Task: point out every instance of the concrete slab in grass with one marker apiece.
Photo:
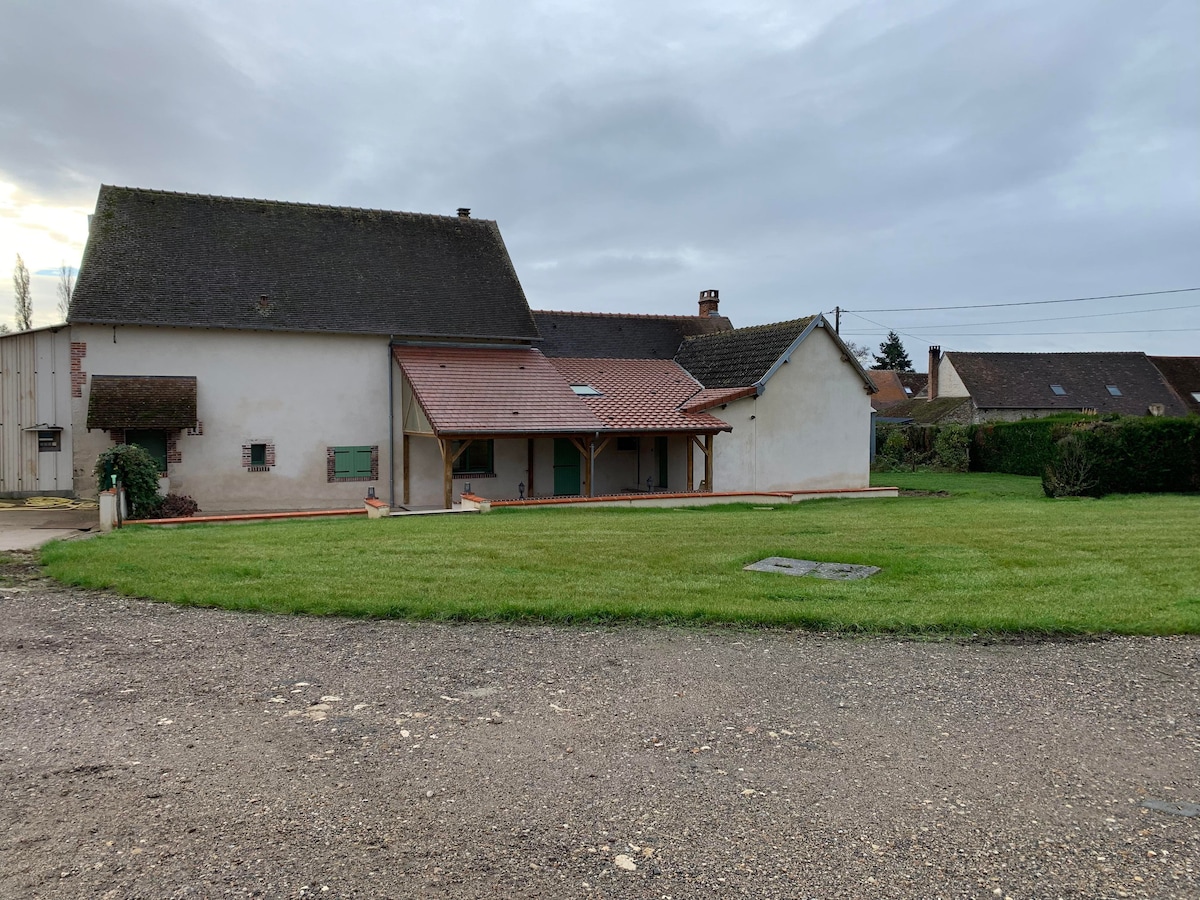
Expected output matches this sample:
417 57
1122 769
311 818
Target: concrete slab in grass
801 567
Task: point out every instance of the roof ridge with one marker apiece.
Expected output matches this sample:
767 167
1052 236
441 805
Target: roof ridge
618 315
290 203
1049 352
745 328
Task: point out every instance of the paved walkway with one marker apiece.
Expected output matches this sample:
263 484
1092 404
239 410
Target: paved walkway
26 525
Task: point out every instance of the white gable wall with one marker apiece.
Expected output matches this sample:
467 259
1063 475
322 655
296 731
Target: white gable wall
809 429
950 384
300 393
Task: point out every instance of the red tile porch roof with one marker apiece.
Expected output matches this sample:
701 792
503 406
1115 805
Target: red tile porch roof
713 397
639 394
493 391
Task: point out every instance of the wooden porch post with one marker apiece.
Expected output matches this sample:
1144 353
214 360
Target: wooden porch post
406 478
529 466
708 462
691 463
447 474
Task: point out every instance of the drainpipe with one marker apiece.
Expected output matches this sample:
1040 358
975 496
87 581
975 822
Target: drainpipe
391 426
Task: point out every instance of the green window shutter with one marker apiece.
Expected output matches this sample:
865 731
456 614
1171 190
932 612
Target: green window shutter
361 462
352 462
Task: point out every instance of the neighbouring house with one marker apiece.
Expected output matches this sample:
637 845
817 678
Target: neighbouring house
1182 373
279 355
890 388
990 387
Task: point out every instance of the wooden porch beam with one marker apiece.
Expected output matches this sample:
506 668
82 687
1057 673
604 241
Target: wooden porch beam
447 473
691 463
708 462
406 478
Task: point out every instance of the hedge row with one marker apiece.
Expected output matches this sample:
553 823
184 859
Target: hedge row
1126 456
1072 454
1017 448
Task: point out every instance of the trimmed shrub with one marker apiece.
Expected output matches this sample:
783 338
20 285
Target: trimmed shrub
137 472
951 448
173 506
1072 471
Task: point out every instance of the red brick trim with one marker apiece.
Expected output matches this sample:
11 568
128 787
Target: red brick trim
78 376
268 456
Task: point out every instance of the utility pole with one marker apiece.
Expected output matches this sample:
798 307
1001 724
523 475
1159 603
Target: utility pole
837 320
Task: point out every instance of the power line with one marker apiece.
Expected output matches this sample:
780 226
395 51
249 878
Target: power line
1131 312
1029 303
1033 333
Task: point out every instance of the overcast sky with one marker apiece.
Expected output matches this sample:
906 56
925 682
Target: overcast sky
795 156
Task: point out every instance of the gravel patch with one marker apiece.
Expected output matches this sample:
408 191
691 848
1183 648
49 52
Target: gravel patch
152 751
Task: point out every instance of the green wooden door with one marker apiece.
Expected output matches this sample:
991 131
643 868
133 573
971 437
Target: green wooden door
566 468
153 442
660 450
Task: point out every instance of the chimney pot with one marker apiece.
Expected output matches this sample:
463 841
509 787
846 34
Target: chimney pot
708 302
464 212
935 357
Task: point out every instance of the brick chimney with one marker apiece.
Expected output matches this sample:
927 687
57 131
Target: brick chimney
464 212
708 303
935 357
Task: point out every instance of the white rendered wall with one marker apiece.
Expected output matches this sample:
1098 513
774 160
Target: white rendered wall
809 430
949 382
302 393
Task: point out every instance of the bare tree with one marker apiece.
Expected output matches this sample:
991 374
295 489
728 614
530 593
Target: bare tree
861 352
24 298
66 287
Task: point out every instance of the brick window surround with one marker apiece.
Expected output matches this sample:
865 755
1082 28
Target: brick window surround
267 451
342 460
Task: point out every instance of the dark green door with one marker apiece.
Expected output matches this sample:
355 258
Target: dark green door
153 442
660 450
566 468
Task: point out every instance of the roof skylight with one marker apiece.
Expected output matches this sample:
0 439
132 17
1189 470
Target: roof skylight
1114 390
585 390
1059 390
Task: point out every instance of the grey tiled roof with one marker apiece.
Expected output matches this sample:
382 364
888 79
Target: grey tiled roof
142 401
741 357
1183 374
1023 380
162 258
619 335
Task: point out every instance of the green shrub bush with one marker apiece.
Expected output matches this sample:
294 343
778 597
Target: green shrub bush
137 471
951 448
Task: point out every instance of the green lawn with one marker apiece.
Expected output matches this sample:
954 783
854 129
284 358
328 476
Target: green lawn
995 556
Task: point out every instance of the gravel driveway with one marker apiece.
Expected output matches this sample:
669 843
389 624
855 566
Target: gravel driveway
150 751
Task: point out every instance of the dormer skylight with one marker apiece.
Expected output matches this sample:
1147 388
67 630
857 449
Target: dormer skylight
1059 390
585 390
1114 390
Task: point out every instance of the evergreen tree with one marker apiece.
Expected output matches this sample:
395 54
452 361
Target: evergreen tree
21 292
892 355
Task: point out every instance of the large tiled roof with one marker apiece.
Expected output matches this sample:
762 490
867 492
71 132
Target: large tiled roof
166 402
1183 374
493 391
163 258
1023 380
741 357
620 335
888 386
914 381
639 394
